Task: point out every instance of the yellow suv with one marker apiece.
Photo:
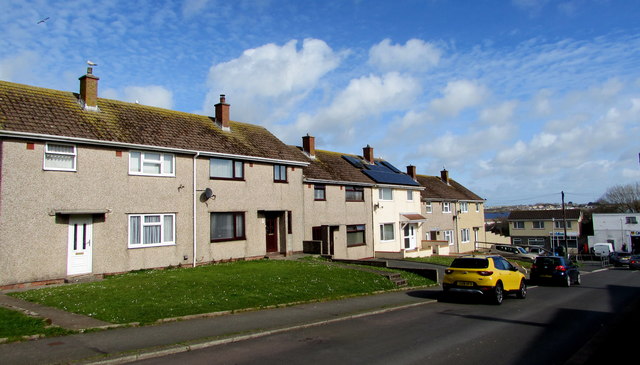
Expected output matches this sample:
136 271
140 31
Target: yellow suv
489 276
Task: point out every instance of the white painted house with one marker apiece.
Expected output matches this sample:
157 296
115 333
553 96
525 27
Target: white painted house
620 229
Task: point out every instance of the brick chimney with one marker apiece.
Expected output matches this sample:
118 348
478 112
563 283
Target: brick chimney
309 145
411 171
222 114
89 90
444 175
367 153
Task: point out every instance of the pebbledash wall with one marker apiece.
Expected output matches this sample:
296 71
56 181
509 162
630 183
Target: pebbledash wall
37 205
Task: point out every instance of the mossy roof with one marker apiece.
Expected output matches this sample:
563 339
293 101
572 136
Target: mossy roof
38 110
437 189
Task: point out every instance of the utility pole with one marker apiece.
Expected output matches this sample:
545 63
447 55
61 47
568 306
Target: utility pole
564 224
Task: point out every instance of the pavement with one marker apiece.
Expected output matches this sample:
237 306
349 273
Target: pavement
122 344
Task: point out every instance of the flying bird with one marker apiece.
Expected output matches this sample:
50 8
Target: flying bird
43 20
91 63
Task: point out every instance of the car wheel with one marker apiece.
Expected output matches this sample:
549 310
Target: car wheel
567 282
522 292
578 279
498 294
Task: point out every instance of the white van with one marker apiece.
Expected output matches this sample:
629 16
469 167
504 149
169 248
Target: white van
602 249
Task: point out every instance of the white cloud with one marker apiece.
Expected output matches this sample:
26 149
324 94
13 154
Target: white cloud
269 76
459 95
501 114
18 67
152 95
415 55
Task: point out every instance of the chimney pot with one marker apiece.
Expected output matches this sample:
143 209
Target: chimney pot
222 113
367 153
309 145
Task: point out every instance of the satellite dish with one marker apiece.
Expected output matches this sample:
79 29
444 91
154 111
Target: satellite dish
208 193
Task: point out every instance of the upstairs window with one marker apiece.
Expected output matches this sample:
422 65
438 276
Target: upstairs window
518 225
319 192
446 207
280 173
560 224
60 157
464 207
385 194
631 220
538 224
354 193
410 195
151 163
428 207
222 168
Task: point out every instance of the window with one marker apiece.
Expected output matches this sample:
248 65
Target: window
354 193
448 236
538 224
148 230
516 241
227 226
631 220
289 222
446 207
464 235
151 163
464 207
410 195
536 241
518 225
220 168
60 157
355 235
428 207
279 173
387 232
560 224
319 192
385 194
477 207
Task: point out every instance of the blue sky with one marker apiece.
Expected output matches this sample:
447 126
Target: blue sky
519 99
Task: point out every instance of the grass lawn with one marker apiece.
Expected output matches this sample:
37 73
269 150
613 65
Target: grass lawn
436 260
148 295
14 325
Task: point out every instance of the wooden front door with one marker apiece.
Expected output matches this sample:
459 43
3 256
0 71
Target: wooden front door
272 232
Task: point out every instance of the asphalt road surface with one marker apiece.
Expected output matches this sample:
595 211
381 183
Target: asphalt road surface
553 325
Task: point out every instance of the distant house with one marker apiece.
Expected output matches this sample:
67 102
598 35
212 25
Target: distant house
546 228
454 214
92 186
620 229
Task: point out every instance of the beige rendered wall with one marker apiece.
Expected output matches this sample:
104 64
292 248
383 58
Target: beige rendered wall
389 211
33 244
336 211
549 226
436 220
471 219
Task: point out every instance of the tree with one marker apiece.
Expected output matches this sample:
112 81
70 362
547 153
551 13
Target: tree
623 198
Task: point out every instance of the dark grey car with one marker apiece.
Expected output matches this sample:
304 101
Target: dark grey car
555 269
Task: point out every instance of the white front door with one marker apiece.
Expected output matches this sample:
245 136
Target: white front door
410 236
79 260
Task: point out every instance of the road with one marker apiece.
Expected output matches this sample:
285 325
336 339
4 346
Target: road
553 325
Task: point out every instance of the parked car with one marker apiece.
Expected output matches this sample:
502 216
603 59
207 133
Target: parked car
489 276
537 250
634 262
555 269
619 258
513 252
602 249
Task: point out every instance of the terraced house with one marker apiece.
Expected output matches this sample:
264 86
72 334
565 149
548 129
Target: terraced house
455 215
91 186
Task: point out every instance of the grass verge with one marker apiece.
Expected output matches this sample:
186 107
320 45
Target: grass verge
14 326
148 295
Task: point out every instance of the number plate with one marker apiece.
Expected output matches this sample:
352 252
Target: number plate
465 283
545 276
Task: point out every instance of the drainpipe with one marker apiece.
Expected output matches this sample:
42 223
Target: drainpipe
195 197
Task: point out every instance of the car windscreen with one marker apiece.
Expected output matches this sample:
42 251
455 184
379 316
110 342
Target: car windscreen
471 263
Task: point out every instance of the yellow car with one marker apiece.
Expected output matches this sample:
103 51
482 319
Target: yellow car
489 276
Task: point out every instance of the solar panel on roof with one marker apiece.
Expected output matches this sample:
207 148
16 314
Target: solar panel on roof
390 178
353 161
390 166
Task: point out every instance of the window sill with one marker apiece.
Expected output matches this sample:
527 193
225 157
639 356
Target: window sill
357 245
228 239
151 245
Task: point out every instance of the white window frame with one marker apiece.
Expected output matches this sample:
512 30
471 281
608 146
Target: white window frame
409 195
164 240
166 162
537 224
518 225
464 207
382 194
73 154
446 207
465 235
382 232
448 236
428 207
477 207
